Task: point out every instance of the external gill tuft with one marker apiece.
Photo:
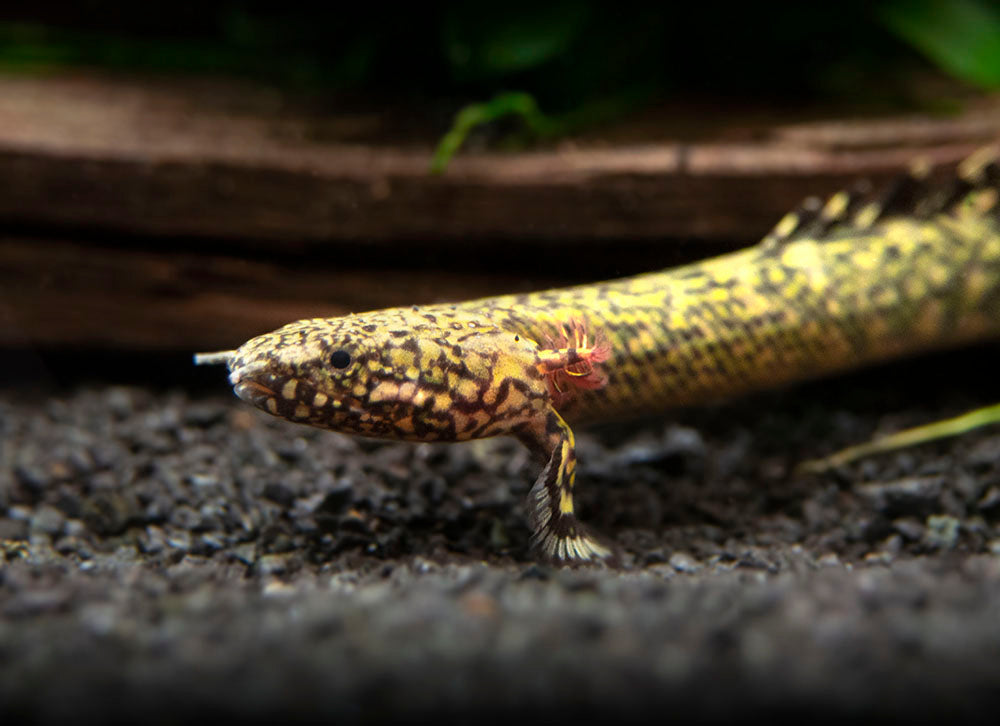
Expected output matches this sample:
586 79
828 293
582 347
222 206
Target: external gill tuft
573 358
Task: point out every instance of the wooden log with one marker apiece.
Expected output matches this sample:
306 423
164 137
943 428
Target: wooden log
158 159
147 215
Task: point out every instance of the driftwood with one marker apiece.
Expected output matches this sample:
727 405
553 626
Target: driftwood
151 159
156 215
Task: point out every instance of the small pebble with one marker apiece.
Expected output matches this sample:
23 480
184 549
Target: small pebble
48 520
683 562
942 531
272 564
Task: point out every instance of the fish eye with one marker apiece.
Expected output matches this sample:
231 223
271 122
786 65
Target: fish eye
340 359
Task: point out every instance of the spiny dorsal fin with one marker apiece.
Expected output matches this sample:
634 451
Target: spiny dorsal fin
981 172
814 219
975 187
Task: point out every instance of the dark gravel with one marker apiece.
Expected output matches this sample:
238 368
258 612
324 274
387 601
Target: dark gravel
169 555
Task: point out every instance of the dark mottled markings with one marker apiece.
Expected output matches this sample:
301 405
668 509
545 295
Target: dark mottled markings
462 406
441 361
503 391
626 330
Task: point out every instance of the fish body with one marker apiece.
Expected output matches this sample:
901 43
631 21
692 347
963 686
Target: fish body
834 286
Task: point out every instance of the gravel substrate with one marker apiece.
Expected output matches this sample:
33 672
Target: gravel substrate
169 554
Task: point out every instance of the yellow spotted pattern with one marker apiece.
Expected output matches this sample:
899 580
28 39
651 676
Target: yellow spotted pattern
833 287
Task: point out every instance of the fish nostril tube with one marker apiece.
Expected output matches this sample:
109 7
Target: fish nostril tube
213 359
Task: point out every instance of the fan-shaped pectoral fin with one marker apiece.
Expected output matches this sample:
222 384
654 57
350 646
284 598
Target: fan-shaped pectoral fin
557 533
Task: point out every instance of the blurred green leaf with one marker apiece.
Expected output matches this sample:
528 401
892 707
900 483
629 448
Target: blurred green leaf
477 114
961 36
538 124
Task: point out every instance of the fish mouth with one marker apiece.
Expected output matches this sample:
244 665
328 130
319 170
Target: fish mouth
260 388
253 392
265 397
248 388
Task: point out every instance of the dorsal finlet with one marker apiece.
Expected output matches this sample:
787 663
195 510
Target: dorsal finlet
977 167
814 218
976 184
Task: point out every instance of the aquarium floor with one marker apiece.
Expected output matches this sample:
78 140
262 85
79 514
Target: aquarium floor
172 554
